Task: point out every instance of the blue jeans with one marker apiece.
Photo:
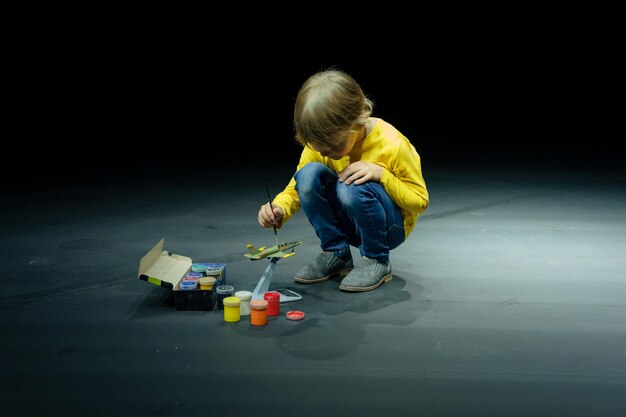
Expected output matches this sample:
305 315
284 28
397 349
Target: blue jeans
363 215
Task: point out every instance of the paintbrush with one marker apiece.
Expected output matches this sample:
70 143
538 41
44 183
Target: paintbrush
269 198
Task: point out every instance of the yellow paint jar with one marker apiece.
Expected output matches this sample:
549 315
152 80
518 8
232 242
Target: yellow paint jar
206 283
231 309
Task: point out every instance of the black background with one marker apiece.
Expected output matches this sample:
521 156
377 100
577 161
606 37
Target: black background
119 113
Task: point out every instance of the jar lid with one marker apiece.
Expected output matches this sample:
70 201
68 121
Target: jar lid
295 315
271 296
225 289
244 295
232 301
188 285
207 280
214 269
188 278
198 267
258 304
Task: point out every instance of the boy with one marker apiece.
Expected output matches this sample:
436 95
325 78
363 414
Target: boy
359 182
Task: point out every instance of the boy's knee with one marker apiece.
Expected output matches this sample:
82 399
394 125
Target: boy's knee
352 195
311 169
348 195
308 175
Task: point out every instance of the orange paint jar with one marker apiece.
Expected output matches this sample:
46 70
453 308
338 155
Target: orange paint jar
258 312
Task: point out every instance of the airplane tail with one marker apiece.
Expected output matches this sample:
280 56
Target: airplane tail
252 249
254 252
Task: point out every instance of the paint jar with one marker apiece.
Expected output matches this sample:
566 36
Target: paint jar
213 270
223 291
231 309
245 297
206 283
190 279
199 268
188 285
193 275
273 303
258 312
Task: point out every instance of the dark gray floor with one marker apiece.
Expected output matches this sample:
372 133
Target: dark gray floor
509 299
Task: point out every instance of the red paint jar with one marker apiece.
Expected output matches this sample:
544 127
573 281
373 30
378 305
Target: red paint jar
273 303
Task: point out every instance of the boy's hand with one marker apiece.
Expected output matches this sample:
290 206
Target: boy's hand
360 172
269 219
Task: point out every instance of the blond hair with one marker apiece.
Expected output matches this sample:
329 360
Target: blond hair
329 105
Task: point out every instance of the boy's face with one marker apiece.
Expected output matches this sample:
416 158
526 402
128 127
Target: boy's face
340 146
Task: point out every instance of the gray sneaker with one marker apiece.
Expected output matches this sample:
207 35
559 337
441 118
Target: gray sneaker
322 268
372 274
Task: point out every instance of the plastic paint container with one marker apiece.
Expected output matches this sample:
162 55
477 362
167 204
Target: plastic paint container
206 283
245 297
194 280
193 275
223 291
213 270
188 285
231 309
199 268
273 303
258 312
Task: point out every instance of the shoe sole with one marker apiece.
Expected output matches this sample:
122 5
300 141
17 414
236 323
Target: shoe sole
384 279
326 278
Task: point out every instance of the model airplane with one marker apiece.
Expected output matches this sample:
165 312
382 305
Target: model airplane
275 251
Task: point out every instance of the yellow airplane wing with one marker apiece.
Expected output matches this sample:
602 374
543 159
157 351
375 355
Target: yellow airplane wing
278 254
282 254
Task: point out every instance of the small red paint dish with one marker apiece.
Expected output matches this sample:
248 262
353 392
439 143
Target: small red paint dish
295 315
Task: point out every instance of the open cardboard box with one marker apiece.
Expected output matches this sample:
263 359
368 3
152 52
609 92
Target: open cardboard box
165 269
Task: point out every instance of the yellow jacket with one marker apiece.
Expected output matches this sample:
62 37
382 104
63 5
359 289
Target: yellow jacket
384 146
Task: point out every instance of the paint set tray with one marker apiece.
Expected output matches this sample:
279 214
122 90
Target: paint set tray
165 269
